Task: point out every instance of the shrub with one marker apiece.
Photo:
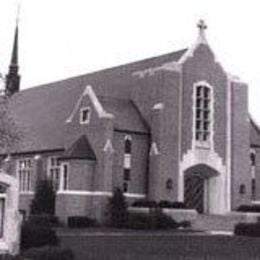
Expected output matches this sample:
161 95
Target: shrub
249 208
80 222
44 198
145 203
185 224
43 220
247 229
35 236
139 221
117 209
49 253
157 220
171 205
163 221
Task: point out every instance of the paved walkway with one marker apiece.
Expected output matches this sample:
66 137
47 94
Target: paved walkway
168 245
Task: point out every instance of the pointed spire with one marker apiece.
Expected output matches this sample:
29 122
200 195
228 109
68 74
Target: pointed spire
13 78
14 59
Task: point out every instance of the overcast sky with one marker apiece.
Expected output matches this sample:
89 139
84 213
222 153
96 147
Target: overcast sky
63 38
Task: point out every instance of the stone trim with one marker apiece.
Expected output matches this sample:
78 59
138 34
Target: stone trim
210 143
98 193
94 100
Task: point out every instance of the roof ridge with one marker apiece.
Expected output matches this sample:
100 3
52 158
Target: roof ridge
47 84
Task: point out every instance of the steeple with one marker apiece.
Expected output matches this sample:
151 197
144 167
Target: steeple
13 78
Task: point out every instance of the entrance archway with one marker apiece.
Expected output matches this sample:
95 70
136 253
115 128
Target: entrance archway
197 188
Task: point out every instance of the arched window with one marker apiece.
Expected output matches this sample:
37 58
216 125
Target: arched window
252 158
127 163
128 145
203 113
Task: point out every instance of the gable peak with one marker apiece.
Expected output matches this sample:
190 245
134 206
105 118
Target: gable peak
201 39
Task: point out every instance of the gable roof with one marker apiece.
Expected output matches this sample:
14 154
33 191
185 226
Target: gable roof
40 113
81 149
127 115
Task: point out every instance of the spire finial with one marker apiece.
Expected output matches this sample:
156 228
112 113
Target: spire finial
18 13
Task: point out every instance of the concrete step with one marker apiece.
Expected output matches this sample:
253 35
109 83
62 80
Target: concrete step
215 222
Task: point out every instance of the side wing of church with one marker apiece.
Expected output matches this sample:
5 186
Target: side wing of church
175 127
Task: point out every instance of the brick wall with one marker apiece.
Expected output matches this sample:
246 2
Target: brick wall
257 173
240 146
202 67
139 161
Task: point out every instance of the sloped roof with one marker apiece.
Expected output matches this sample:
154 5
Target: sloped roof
81 149
126 114
254 134
41 112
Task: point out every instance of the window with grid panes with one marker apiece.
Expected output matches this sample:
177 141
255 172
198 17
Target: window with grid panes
54 171
203 113
24 173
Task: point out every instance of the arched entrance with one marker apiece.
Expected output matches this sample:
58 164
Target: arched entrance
197 188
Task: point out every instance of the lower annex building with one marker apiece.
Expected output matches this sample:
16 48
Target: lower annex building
174 127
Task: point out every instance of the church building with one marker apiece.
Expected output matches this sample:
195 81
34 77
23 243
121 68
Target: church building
174 127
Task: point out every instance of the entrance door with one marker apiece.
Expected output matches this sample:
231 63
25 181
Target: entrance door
194 192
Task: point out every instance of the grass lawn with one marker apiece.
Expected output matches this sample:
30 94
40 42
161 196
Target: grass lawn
159 246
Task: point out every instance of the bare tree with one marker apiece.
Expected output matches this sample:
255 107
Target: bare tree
10 135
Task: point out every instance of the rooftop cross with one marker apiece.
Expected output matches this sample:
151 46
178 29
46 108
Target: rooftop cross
201 25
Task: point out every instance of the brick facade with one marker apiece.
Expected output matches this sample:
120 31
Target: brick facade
153 103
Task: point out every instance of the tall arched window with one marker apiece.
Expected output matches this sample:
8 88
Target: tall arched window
203 112
127 162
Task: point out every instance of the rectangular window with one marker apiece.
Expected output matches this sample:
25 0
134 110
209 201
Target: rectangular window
253 187
127 161
125 187
202 113
24 172
65 176
2 214
54 171
127 174
84 115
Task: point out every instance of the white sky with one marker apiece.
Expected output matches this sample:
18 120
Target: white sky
63 38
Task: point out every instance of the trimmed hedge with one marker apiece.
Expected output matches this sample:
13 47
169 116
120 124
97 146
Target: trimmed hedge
44 220
247 229
162 204
171 205
249 208
80 222
35 236
49 253
150 221
145 203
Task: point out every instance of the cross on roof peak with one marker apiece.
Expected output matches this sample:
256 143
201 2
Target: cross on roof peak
202 25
